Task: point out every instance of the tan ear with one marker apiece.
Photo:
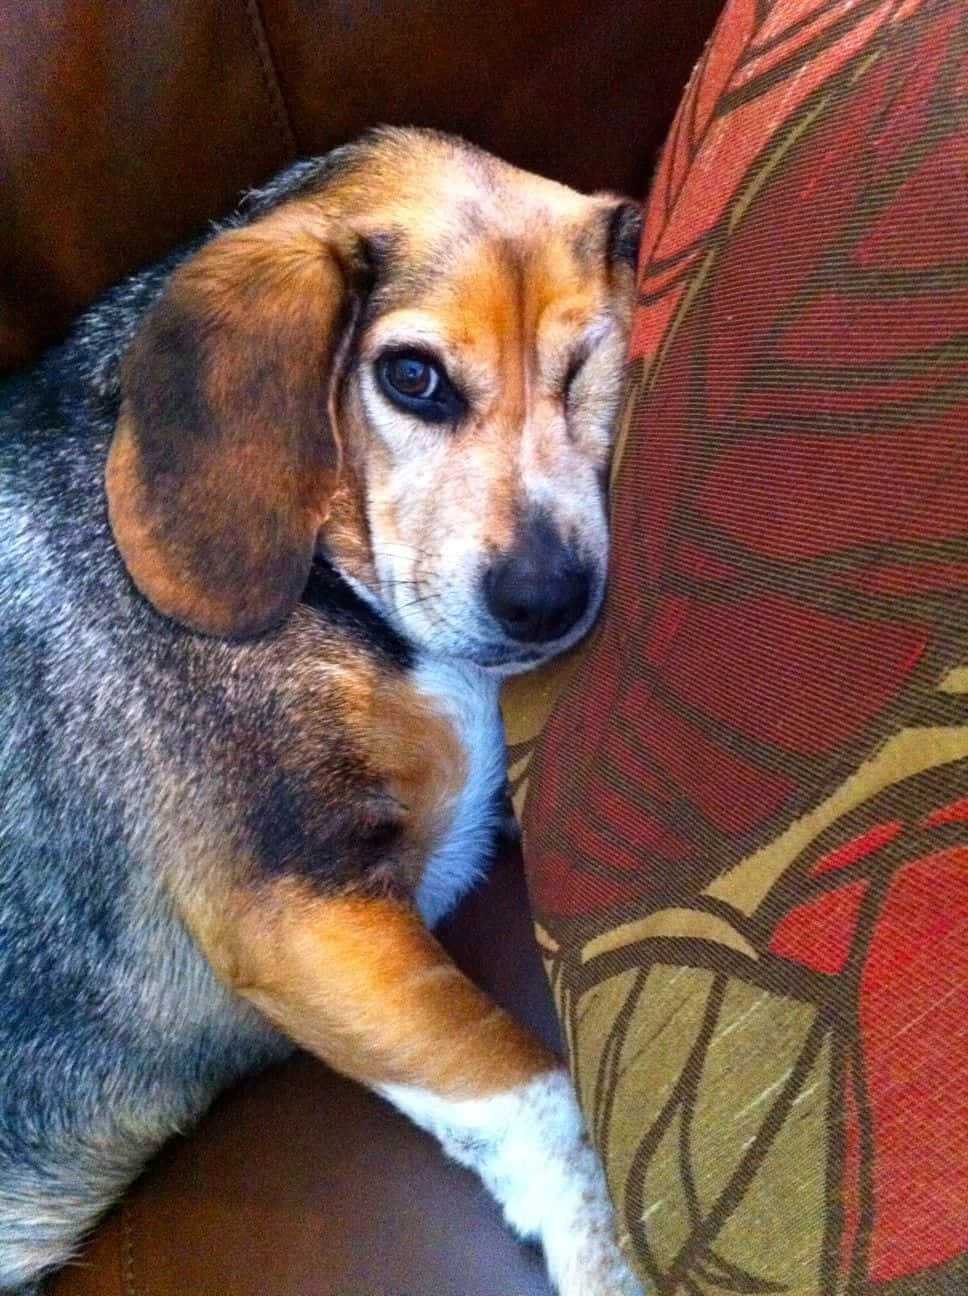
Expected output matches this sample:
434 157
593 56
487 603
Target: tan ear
224 456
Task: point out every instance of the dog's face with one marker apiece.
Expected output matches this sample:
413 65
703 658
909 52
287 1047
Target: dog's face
410 359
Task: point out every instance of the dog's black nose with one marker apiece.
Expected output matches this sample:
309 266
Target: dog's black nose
539 590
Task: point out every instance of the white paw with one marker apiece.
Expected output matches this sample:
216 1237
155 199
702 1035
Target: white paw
578 1233
530 1148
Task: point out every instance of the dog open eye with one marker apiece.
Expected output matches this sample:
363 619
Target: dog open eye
414 382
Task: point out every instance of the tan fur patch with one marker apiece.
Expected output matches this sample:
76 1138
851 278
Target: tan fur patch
363 985
417 753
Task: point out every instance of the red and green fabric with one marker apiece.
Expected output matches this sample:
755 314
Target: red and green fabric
747 819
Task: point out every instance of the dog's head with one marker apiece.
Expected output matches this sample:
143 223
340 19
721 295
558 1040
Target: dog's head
407 356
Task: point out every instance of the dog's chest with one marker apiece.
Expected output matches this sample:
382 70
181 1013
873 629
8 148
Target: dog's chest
468 698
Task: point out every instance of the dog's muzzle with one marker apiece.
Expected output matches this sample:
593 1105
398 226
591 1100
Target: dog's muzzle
539 590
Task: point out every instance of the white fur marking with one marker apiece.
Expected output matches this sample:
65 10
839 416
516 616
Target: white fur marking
529 1147
468 697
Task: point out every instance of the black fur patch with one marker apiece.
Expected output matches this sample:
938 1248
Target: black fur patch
327 593
302 178
336 841
624 234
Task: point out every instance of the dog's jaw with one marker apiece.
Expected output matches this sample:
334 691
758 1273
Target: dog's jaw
379 572
496 656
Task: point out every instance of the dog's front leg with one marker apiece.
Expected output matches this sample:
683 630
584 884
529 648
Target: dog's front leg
362 983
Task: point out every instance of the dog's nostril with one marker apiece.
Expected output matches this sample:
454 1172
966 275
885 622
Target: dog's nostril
536 604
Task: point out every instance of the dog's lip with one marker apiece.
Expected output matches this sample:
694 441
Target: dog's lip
513 656
509 658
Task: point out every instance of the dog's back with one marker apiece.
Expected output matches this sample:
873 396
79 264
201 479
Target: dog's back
113 1030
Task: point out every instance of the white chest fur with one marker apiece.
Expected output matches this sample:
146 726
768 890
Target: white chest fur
468 697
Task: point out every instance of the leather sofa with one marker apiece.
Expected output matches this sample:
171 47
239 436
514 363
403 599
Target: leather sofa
125 125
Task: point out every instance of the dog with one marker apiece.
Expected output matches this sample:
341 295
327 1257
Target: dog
277 518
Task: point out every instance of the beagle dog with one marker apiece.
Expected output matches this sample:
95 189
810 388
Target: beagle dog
276 519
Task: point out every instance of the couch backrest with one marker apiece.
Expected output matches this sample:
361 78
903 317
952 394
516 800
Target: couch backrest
125 125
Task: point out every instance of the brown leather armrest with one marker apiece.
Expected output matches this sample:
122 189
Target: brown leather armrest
126 125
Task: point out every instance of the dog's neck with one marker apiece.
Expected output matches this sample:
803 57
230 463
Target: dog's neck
344 540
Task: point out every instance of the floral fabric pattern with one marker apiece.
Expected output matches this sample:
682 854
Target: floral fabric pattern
747 820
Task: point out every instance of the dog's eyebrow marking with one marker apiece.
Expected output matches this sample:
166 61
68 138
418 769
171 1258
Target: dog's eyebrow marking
413 330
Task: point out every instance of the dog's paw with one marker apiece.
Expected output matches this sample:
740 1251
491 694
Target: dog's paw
552 1188
530 1148
578 1234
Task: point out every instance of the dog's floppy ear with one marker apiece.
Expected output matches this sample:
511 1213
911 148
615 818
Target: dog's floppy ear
224 457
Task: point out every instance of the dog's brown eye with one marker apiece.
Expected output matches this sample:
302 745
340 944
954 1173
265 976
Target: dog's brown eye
416 383
411 375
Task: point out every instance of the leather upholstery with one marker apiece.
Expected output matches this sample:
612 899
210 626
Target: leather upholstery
125 125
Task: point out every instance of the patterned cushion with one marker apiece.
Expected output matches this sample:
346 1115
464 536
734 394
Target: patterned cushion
747 822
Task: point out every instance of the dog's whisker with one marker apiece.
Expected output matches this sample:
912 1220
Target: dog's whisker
390 549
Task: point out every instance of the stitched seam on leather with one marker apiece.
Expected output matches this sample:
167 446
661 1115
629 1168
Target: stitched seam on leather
278 110
129 1286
